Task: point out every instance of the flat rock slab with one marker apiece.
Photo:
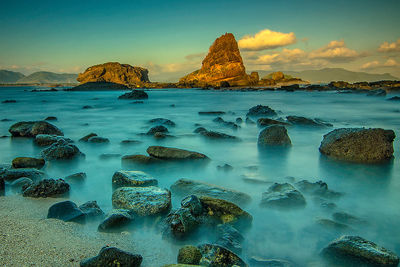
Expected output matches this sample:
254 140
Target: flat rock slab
169 153
186 187
133 179
144 201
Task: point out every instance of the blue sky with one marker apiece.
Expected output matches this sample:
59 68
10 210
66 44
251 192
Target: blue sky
69 36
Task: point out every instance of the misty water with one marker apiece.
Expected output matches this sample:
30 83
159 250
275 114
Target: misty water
371 192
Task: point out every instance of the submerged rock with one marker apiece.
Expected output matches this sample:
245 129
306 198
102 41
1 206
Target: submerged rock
13 174
132 179
169 153
144 201
140 159
357 251
47 140
213 134
212 112
261 110
66 211
134 94
27 162
98 139
76 177
282 195
180 223
332 225
189 255
33 128
87 137
20 183
262 262
115 220
157 129
359 144
297 120
91 210
377 92
214 255
47 188
229 237
191 187
318 188
61 150
267 122
275 135
112 256
347 218
162 121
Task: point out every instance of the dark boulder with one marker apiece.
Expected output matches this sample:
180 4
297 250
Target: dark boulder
76 177
214 135
214 255
13 174
169 153
189 255
162 121
359 144
133 179
282 195
303 121
33 128
66 211
47 188
91 210
47 140
2 187
134 94
261 110
157 129
27 162
87 137
115 220
140 159
275 135
112 256
267 122
98 140
61 150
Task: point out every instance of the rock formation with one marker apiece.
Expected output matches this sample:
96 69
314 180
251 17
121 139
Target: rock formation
223 66
115 72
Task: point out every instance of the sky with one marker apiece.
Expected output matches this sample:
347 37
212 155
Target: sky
171 38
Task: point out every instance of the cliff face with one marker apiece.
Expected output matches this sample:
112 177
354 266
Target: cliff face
222 64
116 73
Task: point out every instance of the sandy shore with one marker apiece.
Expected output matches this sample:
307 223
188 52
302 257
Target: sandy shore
29 239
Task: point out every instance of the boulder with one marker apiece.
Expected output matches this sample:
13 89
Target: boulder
180 223
332 225
112 256
169 153
212 112
47 140
27 162
61 150
357 251
13 174
51 118
134 94
157 129
47 188
33 128
87 137
261 110
318 188
132 179
267 122
140 159
143 201
229 237
359 144
189 255
274 135
66 211
76 177
347 218
91 210
20 183
115 220
214 255
98 140
186 187
303 121
282 195
162 121
223 63
213 134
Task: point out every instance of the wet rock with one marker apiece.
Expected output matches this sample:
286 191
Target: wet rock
261 110
130 142
2 187
213 134
239 120
13 174
347 218
61 150
225 167
162 121
47 140
33 128
359 145
189 255
132 179
318 188
249 121
275 135
225 211
191 187
8 101
112 256
27 162
76 177
261 262
180 223
267 122
212 112
66 211
157 129
214 255
91 210
192 203
169 153
5 120
134 94
51 118
226 123
332 225
282 195
140 159
144 201
357 251
20 183
115 220
377 92
303 121
98 139
229 237
87 137
394 98
47 188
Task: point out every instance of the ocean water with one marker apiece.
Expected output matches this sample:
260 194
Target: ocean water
370 191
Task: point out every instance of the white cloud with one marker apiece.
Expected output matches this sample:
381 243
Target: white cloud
266 39
390 47
336 51
379 65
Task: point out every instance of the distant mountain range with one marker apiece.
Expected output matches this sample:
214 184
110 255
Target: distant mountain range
37 77
334 74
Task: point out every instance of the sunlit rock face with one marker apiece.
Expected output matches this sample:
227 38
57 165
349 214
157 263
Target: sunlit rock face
222 65
116 73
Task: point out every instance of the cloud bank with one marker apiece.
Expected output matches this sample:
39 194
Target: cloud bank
266 39
390 47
